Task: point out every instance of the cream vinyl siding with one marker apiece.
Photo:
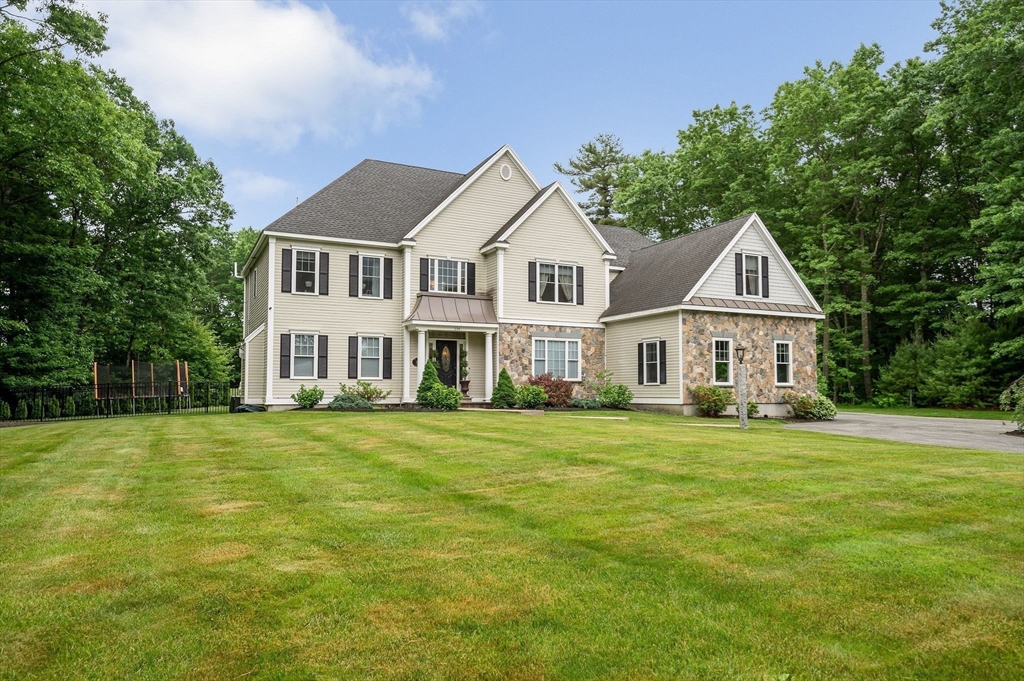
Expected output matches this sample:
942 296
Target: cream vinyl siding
256 369
477 365
337 316
621 339
467 223
722 282
553 232
255 312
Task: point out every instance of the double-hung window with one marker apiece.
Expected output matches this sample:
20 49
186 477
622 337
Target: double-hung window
556 283
448 276
752 274
723 361
652 368
303 355
369 357
783 363
560 358
371 268
305 272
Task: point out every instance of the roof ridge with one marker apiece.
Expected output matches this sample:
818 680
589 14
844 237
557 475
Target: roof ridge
409 165
703 230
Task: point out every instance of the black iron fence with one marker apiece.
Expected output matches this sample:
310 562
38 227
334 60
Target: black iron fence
60 403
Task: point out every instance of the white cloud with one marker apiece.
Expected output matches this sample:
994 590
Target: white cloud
256 186
437 21
264 72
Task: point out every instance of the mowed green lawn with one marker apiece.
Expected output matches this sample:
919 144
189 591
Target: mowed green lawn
487 545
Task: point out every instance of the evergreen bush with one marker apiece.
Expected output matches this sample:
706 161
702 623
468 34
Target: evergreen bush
5 411
428 381
504 395
53 408
1012 400
21 411
615 396
585 403
441 396
364 390
823 409
802 405
349 402
307 398
711 400
753 409
69 406
530 396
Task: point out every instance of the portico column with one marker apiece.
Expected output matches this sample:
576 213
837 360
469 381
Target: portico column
406 366
489 365
421 354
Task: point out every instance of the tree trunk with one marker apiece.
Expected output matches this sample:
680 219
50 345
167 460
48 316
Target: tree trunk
825 340
865 338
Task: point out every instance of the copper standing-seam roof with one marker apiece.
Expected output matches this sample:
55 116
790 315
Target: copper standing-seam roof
752 305
453 308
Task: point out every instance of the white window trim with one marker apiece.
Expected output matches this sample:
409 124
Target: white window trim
757 257
579 356
295 270
557 264
316 348
775 361
657 352
463 275
380 359
713 374
373 256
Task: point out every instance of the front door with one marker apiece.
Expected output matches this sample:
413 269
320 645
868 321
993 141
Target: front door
447 362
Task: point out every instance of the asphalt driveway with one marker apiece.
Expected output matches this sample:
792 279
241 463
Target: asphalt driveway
925 430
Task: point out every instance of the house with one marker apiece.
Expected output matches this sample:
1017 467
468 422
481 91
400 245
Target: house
390 265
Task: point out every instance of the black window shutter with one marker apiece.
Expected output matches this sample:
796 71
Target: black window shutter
386 369
532 277
389 276
579 285
739 274
471 278
424 274
325 267
286 270
321 360
640 363
764 276
286 355
662 369
353 356
353 276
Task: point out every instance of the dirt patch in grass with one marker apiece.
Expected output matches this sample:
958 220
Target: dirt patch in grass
211 510
225 553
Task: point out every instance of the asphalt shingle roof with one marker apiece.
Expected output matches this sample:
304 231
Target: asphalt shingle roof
623 241
374 201
661 275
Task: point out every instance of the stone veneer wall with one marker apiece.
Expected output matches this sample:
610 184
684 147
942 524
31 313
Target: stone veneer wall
758 333
515 349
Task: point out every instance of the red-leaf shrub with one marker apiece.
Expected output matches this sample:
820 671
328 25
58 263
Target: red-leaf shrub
559 390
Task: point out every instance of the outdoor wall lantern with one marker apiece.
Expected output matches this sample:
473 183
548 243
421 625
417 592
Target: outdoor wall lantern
740 351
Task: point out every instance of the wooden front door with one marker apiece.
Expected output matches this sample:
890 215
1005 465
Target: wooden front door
448 362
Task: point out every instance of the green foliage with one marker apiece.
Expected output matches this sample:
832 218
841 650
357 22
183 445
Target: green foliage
594 171
5 411
504 395
349 401
69 406
615 396
711 400
1012 399
530 397
364 390
753 409
307 398
53 408
809 407
823 409
585 403
441 396
21 411
558 390
903 375
463 364
427 383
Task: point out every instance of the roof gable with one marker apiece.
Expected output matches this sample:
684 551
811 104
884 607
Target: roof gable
538 199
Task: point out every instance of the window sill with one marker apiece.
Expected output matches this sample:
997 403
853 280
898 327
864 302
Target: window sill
723 385
783 385
371 297
555 302
305 293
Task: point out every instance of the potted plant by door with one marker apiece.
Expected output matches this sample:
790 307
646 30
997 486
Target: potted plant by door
463 371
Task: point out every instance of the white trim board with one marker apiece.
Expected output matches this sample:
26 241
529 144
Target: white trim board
555 187
708 308
258 331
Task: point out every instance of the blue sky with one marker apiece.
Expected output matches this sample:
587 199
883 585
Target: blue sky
284 97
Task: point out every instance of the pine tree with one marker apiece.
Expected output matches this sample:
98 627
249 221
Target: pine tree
504 395
595 170
21 411
429 380
69 406
5 411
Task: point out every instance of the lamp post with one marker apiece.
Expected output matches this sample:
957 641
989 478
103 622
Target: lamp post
741 386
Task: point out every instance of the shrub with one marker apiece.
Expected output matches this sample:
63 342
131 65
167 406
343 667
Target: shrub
307 398
753 409
441 396
364 390
615 396
1012 399
21 411
585 403
37 408
801 404
504 395
592 386
823 409
428 381
5 411
559 390
69 406
53 408
349 402
530 396
711 400
888 402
